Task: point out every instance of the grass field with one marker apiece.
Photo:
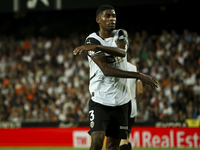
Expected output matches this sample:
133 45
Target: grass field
66 148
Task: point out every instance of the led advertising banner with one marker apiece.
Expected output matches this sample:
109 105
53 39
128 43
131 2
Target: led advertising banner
78 137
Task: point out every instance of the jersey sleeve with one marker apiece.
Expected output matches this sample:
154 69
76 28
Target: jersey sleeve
93 41
122 36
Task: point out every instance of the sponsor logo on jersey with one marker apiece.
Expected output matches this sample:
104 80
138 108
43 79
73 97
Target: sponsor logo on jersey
118 58
91 52
123 127
89 42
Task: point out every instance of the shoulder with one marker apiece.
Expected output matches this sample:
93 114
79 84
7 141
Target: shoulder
92 35
122 36
122 32
92 39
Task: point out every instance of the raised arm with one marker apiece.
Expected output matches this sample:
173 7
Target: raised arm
108 70
97 53
92 44
110 50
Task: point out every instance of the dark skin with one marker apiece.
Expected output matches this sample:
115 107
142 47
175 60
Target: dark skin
107 22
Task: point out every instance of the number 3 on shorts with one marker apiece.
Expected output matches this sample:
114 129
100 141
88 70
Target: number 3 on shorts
91 112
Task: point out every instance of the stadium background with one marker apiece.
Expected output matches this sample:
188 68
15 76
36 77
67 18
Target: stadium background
38 35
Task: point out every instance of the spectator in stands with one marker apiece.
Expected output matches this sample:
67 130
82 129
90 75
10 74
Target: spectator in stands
196 89
198 117
167 113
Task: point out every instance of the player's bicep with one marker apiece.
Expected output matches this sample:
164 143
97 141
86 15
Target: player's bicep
101 61
97 56
93 41
122 46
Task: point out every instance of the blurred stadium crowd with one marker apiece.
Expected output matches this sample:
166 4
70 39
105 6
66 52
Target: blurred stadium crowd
41 80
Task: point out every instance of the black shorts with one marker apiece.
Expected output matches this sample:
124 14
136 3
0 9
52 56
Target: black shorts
112 120
130 124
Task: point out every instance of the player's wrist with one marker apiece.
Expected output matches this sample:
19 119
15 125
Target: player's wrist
140 75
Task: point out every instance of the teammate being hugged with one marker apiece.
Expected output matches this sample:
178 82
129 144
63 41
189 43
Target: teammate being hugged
110 104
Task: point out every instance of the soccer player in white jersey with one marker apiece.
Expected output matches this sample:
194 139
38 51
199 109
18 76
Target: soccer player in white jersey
110 103
136 90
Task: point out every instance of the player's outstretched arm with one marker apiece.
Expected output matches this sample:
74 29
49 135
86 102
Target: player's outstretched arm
92 44
110 50
112 71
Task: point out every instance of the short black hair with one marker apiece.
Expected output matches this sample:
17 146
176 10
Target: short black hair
102 8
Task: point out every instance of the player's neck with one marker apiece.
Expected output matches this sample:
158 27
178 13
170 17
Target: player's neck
105 34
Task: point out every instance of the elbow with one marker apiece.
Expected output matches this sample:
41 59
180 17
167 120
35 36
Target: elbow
105 68
124 53
121 54
106 72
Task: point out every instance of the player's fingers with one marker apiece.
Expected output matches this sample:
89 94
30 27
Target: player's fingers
75 51
80 51
156 81
152 83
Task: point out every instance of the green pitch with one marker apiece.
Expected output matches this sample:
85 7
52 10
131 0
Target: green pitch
66 148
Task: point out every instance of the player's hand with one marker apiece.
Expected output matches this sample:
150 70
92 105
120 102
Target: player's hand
149 80
82 48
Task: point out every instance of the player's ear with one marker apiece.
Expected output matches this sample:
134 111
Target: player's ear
98 19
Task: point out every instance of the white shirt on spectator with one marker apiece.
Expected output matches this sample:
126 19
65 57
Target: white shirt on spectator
168 111
47 45
62 116
27 58
60 58
196 88
47 57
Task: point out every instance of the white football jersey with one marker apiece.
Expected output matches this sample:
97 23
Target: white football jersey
132 86
106 90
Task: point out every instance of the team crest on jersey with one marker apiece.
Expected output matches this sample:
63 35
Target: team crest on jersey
91 52
92 124
88 42
118 58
